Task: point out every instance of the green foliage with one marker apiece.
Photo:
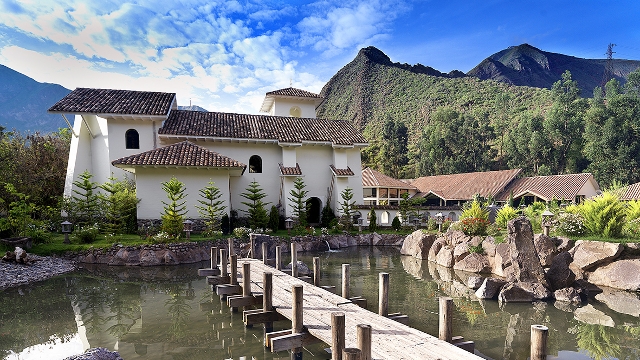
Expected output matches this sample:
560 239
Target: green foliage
211 207
393 148
534 213
298 201
85 234
258 217
85 204
474 226
631 229
224 224
373 221
475 210
175 209
407 207
327 216
477 249
603 215
119 206
632 210
505 214
569 224
274 219
19 214
347 208
395 224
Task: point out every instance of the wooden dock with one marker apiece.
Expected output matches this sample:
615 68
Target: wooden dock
390 339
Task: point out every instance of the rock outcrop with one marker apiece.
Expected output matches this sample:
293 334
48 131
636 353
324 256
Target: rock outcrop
475 263
418 244
590 254
622 274
559 274
525 263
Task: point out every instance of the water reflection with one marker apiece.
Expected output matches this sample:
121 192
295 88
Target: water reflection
171 313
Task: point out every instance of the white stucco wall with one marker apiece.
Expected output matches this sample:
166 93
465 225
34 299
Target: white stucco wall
79 155
149 188
282 107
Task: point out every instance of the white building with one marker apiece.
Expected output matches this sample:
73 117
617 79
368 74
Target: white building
144 135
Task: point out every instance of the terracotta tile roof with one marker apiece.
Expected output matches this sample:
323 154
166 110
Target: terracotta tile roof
373 178
464 186
342 172
291 170
181 154
260 127
106 101
547 187
290 91
631 192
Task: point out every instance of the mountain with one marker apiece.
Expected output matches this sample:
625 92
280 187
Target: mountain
525 65
192 108
24 103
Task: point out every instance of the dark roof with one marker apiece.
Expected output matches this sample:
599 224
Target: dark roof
465 186
260 127
372 178
547 187
106 101
341 172
181 154
290 91
290 170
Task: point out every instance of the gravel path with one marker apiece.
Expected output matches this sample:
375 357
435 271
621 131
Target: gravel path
39 268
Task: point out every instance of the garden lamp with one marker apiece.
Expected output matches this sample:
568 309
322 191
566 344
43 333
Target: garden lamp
439 221
67 228
547 216
360 223
187 227
288 224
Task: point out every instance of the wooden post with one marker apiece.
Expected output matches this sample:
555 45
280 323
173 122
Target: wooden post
383 294
252 245
539 335
246 279
345 281
316 271
446 319
223 262
278 257
296 318
265 253
351 354
363 335
214 257
232 249
267 298
233 270
337 335
294 260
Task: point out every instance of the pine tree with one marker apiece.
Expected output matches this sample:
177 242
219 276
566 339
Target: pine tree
274 219
86 203
175 209
211 207
346 207
258 217
298 201
373 221
119 206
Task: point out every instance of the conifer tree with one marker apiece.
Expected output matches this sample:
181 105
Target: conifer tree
258 217
211 207
175 209
373 221
86 203
346 207
119 206
298 201
274 219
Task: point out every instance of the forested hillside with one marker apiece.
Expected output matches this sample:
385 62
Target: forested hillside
424 122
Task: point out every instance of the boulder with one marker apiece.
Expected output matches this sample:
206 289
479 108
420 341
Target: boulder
460 251
590 254
563 243
621 274
417 244
489 246
568 295
502 259
514 293
546 248
475 263
474 282
303 269
435 248
169 257
149 258
590 315
537 290
489 288
559 274
621 301
455 237
631 249
525 264
445 256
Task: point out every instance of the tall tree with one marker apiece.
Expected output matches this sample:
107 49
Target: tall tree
298 201
527 146
211 207
393 151
175 210
258 217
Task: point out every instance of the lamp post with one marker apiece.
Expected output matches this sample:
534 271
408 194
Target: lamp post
547 217
439 220
187 224
67 228
416 222
493 209
288 224
360 223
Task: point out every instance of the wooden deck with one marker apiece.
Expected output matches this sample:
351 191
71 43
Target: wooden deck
390 339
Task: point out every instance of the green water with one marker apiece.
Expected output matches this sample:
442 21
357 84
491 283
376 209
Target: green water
171 313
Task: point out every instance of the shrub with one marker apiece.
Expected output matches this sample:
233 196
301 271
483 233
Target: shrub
474 226
373 221
631 229
395 223
161 238
569 224
432 224
475 211
241 232
633 210
505 214
478 249
534 213
603 215
38 234
446 224
274 218
86 234
327 216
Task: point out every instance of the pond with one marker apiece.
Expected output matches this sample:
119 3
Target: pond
171 313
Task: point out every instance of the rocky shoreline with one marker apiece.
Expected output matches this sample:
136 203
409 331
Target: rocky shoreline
38 268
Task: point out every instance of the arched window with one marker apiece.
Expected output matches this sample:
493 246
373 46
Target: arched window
132 139
255 164
384 217
295 112
452 216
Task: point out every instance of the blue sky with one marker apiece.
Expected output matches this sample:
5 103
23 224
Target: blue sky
224 55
